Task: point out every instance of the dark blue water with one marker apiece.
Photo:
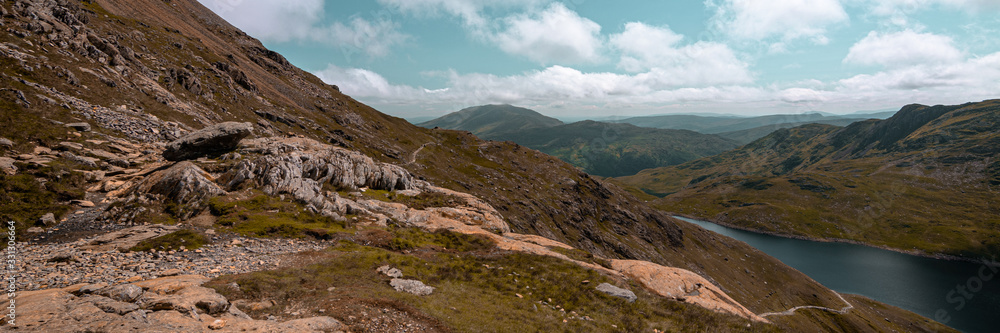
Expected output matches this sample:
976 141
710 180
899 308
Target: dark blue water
962 295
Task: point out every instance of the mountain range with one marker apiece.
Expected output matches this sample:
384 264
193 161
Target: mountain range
599 148
924 180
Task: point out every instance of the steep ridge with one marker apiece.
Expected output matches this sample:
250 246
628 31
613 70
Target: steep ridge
138 74
921 181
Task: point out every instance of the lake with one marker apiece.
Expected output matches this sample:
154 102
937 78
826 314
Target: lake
962 295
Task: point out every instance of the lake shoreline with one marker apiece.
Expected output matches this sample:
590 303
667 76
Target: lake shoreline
917 253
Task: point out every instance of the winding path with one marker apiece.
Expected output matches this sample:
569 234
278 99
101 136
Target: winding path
413 156
791 311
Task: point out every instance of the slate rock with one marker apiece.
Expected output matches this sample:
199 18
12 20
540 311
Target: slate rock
218 138
617 292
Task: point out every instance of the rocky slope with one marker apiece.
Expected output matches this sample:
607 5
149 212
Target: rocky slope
96 92
921 181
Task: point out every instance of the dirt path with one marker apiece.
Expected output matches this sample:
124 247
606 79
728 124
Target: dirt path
791 311
413 157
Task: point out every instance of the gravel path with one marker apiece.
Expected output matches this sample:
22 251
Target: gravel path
52 265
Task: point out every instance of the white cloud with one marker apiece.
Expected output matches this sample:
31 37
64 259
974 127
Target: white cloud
905 7
555 34
657 50
972 76
902 49
302 20
470 11
784 20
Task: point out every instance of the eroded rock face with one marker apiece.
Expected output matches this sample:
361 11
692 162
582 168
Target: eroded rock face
184 183
170 304
218 138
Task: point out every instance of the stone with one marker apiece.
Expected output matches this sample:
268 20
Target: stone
111 306
7 165
82 127
35 230
218 324
411 286
6 143
48 219
617 292
390 271
91 288
127 238
124 292
39 150
87 161
218 138
70 146
171 272
83 203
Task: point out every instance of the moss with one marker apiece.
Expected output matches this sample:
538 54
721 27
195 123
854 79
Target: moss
173 241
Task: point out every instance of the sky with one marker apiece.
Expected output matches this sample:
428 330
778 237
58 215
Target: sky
599 58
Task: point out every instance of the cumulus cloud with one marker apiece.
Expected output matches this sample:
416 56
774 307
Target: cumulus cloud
903 48
658 51
555 34
302 20
470 11
781 20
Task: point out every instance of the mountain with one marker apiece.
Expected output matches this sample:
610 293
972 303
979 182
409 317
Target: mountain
749 135
611 150
921 181
489 120
729 124
599 148
195 180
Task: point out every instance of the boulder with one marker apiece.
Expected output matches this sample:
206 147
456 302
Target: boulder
617 292
411 286
390 271
48 219
214 139
184 183
124 292
82 127
7 165
6 143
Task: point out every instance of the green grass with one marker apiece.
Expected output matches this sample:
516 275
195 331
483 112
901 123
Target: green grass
476 290
187 239
24 200
267 216
420 201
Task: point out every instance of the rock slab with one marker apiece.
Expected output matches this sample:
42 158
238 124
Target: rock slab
218 138
617 292
411 286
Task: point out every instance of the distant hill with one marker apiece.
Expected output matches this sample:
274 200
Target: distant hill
612 150
749 135
727 124
926 179
488 120
599 148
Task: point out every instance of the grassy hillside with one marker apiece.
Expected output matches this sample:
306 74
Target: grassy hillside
599 148
612 150
924 180
730 124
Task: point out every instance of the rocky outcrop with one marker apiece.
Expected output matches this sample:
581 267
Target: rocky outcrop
302 167
183 183
127 238
218 138
170 304
7 165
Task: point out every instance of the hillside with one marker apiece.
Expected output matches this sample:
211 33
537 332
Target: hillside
599 148
487 121
923 180
166 171
611 150
749 135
